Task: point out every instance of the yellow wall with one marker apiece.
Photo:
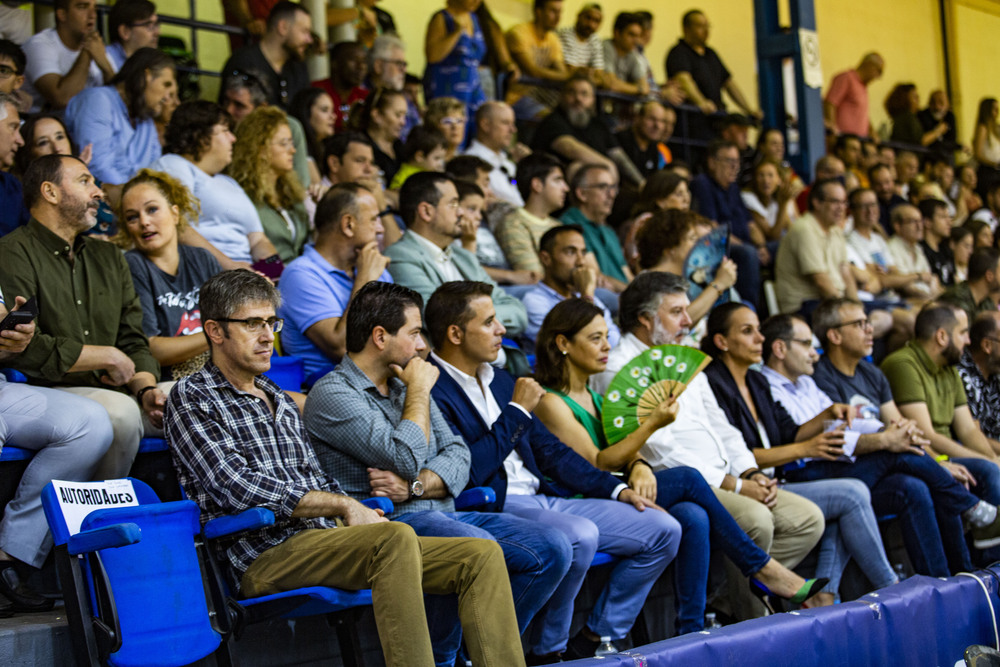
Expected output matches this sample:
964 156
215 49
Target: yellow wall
975 51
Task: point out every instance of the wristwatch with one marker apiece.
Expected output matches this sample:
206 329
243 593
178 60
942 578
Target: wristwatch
416 488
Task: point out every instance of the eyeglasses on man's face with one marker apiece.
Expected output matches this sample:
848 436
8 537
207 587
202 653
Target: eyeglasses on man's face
257 325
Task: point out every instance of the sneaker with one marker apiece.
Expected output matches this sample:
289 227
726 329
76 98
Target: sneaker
22 597
987 536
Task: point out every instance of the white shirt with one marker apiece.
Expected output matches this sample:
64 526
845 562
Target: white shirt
48 55
520 480
442 259
700 437
910 259
502 177
873 250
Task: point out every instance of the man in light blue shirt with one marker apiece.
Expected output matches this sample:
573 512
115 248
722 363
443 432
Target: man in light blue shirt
569 273
317 288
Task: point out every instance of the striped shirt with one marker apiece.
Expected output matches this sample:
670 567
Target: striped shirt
588 53
231 455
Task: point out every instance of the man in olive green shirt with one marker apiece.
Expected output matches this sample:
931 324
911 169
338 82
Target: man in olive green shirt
89 338
927 388
979 293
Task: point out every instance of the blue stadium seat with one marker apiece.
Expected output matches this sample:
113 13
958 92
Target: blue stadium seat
132 576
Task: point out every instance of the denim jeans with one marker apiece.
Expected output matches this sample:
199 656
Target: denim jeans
644 543
687 496
537 558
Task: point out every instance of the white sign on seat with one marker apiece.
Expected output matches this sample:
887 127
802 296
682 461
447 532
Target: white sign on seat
78 499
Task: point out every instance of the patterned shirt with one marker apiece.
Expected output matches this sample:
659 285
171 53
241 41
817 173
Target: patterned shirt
355 427
231 454
983 395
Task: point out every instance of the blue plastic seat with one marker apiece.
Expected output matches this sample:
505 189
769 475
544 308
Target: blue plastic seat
133 580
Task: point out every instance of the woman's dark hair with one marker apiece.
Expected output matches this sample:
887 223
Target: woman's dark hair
662 232
898 101
975 227
985 113
132 76
718 323
660 185
378 99
959 233
23 157
190 128
301 107
567 318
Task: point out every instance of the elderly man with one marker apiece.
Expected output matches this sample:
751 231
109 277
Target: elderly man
92 345
907 254
375 429
845 108
574 133
867 241
13 213
425 258
238 442
132 24
64 60
516 455
387 69
980 372
939 111
495 131
594 189
280 54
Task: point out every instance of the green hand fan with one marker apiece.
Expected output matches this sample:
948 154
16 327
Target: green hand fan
645 382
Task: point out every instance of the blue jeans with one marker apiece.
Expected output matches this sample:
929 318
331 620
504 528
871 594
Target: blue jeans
644 543
687 496
69 435
537 558
987 475
851 531
921 524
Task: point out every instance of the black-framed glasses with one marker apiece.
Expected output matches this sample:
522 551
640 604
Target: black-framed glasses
149 24
863 323
801 341
257 325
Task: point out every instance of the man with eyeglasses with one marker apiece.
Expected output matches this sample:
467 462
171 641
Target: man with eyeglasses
238 442
907 254
867 241
90 340
425 257
280 54
64 60
12 63
980 372
880 447
387 69
132 24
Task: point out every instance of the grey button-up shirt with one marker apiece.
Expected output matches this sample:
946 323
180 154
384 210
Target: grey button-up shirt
353 427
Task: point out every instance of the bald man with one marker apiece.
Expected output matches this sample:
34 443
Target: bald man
845 108
495 130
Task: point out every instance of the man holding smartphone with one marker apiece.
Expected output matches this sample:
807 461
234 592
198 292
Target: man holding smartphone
69 437
89 340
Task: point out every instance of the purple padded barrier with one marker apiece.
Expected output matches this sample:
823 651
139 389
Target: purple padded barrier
921 621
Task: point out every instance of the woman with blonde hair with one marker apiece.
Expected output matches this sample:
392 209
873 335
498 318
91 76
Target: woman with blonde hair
448 115
263 166
155 209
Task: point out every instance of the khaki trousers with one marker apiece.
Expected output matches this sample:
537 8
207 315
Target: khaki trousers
400 567
787 532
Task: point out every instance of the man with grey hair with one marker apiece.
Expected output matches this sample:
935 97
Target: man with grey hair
387 69
13 214
980 372
238 442
653 311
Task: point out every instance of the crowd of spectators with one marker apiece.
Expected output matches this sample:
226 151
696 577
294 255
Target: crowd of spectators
395 234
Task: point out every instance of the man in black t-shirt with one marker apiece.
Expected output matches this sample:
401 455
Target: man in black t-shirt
280 55
937 232
645 142
575 133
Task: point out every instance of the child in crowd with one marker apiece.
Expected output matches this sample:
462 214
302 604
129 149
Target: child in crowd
424 150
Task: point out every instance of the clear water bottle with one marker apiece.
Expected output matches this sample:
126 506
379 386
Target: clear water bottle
711 622
900 572
606 647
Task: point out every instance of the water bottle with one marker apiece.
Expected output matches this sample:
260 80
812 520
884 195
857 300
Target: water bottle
711 622
606 647
900 572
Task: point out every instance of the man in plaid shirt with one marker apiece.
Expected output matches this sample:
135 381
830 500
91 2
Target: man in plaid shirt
238 442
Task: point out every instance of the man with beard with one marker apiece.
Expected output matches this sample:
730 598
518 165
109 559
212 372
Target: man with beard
425 257
980 372
880 178
581 46
939 111
574 133
980 292
280 54
928 390
348 69
89 340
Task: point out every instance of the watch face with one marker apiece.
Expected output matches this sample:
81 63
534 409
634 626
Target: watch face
417 488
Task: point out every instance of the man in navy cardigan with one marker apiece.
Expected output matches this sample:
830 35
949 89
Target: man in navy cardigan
532 472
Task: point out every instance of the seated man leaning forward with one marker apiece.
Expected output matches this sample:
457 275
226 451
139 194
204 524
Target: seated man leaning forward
532 472
375 429
238 442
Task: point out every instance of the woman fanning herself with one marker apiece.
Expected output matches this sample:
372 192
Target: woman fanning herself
572 345
167 275
735 342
